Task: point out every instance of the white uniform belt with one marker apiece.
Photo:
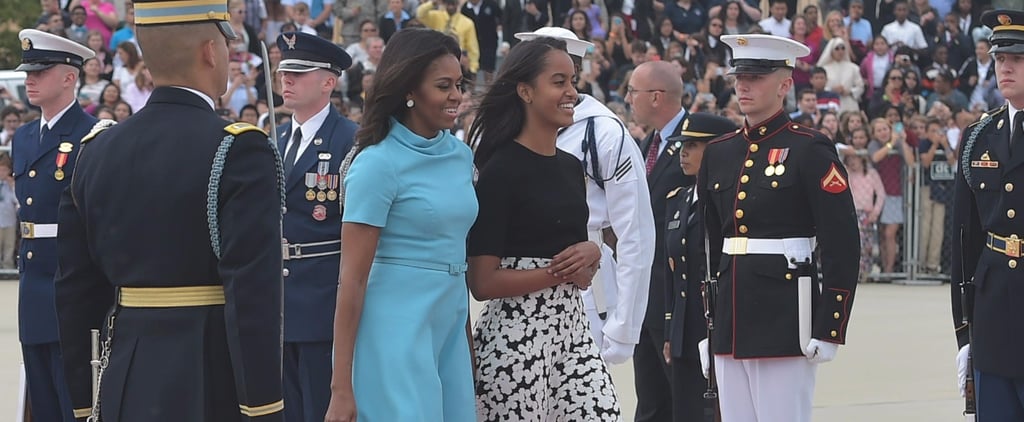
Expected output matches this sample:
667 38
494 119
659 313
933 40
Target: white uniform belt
290 251
38 231
748 246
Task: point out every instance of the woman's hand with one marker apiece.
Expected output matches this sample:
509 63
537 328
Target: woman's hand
342 407
576 261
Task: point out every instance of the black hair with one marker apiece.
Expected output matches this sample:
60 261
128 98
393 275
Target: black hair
410 48
501 114
819 69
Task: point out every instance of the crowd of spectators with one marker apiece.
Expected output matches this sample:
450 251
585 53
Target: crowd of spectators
884 79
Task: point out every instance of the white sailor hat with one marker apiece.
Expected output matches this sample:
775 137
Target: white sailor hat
574 45
761 54
41 50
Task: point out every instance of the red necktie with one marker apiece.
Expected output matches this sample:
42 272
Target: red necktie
652 152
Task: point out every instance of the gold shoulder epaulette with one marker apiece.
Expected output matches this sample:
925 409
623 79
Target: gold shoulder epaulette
241 127
673 193
98 128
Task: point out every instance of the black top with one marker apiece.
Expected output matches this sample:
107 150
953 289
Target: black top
531 205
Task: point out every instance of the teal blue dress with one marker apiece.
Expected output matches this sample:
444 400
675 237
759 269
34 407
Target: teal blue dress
412 359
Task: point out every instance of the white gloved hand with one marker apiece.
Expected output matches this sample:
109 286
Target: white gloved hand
820 351
614 352
705 358
961 368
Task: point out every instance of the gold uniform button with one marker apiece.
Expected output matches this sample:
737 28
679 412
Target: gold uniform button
775 183
1010 213
835 315
982 185
29 201
32 173
739 213
742 195
834 333
749 164
716 185
789 276
743 229
745 179
753 147
839 298
1012 263
1008 187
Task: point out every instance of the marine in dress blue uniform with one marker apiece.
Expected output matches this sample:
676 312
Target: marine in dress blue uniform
778 205
170 242
987 235
685 325
312 230
44 154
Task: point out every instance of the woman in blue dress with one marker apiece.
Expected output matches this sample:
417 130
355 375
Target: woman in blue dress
401 344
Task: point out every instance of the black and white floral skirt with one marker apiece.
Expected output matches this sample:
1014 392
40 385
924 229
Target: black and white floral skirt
536 359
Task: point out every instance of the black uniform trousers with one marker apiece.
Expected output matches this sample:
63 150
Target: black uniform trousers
307 369
44 376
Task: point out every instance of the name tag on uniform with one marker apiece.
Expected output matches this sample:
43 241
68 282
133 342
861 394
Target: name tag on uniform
988 164
674 224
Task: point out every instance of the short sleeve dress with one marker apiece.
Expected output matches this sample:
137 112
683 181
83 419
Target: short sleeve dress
536 358
412 359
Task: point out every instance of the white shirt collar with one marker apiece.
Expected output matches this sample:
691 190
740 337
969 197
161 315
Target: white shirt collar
56 118
312 126
1012 115
200 94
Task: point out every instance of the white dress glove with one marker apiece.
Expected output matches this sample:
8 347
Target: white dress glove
820 351
705 358
961 368
614 352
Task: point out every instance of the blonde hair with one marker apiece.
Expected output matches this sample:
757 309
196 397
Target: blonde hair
876 121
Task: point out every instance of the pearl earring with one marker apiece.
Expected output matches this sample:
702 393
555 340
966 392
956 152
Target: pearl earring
410 103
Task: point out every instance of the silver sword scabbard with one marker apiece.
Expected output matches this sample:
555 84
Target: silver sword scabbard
94 335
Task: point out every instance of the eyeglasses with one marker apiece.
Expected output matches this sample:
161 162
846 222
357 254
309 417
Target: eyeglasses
630 91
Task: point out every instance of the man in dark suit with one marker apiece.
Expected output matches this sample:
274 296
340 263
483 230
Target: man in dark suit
313 145
170 241
486 16
685 325
394 20
44 153
655 94
523 16
986 240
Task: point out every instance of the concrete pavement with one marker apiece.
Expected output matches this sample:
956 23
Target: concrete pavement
898 365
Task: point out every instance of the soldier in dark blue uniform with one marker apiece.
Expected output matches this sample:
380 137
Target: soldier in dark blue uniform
685 325
313 146
776 192
170 241
44 154
987 235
